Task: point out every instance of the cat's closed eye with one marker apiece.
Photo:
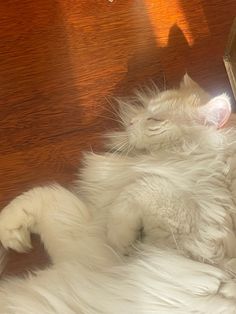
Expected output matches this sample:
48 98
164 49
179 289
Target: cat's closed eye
137 119
154 119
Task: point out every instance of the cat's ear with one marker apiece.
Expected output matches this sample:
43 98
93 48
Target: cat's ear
216 112
188 82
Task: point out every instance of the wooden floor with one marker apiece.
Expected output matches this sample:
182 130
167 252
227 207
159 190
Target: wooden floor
61 60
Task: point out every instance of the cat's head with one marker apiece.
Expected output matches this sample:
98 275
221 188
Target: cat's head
169 117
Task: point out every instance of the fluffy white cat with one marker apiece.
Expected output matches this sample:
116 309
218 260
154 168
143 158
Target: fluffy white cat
169 180
171 175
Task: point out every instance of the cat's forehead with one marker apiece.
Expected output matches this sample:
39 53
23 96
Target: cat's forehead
165 101
172 101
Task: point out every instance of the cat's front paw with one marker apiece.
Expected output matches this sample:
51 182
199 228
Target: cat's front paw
14 227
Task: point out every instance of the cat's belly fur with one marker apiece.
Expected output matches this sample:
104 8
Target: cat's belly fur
191 208
185 203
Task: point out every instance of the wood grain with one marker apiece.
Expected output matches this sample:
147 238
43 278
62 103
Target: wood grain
61 60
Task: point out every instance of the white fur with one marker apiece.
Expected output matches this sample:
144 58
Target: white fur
88 278
170 174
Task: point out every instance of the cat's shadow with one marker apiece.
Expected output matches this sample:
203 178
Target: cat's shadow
165 66
162 65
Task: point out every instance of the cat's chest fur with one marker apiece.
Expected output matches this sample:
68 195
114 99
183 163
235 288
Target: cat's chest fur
200 175
184 198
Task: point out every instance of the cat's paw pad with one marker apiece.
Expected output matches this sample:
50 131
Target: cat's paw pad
14 228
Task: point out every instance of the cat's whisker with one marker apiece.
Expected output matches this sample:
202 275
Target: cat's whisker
122 140
114 110
114 113
174 238
116 135
112 105
129 149
118 147
122 147
109 118
118 114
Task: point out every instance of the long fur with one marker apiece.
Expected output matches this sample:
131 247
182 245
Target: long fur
167 179
170 172
155 282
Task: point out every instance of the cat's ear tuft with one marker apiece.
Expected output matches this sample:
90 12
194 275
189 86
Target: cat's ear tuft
188 82
216 112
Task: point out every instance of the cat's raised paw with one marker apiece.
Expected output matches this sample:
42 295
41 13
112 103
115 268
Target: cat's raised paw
14 227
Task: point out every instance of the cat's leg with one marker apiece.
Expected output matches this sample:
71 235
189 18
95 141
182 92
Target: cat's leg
124 225
63 222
